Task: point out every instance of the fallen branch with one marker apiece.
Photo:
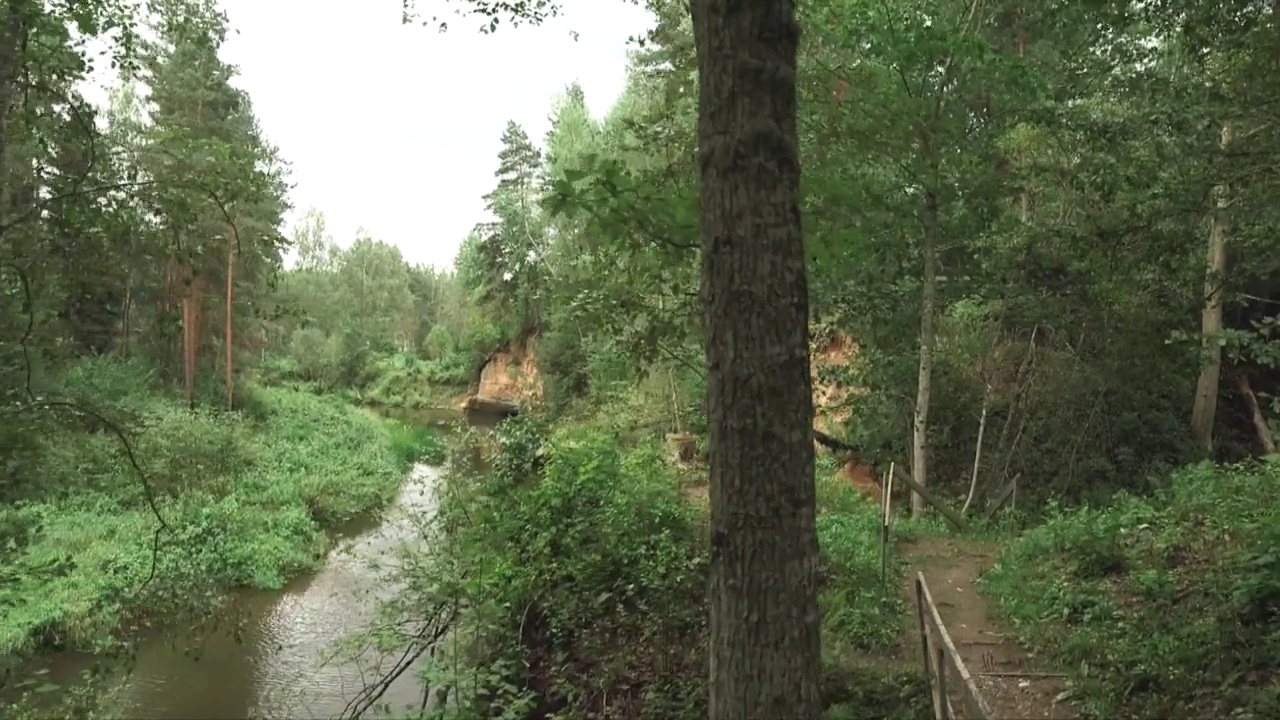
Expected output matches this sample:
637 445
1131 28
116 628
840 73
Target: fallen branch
1004 495
1260 426
838 445
1027 674
952 516
841 446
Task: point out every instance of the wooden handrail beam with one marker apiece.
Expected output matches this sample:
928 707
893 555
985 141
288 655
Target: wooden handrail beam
945 653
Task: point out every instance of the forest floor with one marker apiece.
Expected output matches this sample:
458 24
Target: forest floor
1014 682
1011 679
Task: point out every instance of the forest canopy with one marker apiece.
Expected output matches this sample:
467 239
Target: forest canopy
1040 268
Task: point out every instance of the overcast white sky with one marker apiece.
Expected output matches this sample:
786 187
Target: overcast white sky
395 128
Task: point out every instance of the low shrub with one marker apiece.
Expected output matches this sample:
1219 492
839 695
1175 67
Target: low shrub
861 610
413 443
407 381
399 380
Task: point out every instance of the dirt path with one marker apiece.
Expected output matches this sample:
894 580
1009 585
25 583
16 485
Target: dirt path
1009 678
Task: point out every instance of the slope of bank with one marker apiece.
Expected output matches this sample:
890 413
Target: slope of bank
91 544
1159 607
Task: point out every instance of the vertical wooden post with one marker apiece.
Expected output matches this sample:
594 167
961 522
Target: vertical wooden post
188 351
886 498
942 698
128 309
924 629
231 270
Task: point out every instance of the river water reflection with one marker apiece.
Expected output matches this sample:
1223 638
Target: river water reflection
271 654
282 663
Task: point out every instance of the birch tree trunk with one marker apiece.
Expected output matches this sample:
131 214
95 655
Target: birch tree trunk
1205 408
928 341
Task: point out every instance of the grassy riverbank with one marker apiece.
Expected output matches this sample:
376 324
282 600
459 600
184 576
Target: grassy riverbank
397 380
240 499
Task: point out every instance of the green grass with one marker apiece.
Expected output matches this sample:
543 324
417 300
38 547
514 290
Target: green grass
397 380
245 498
415 443
864 617
1160 607
860 613
407 381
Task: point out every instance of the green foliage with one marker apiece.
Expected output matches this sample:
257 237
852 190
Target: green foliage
415 443
568 549
859 611
408 381
1062 160
1159 606
1083 365
870 689
565 547
362 322
244 500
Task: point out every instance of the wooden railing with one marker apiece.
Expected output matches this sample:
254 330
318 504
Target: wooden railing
949 679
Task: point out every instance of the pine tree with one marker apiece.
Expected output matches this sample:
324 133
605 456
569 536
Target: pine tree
219 191
513 244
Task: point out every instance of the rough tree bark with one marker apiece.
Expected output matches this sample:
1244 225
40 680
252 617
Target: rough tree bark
13 29
1205 408
765 646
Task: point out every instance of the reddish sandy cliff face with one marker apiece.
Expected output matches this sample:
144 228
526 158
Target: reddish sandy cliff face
831 407
509 377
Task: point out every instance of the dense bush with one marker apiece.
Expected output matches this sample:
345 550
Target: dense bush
405 380
1163 607
567 550
244 497
582 568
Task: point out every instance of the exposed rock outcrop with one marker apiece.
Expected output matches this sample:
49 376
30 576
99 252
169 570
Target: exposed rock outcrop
830 400
509 380
831 407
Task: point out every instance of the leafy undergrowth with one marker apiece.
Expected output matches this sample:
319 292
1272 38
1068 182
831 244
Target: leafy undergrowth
408 381
1162 607
864 615
859 612
584 567
397 380
245 497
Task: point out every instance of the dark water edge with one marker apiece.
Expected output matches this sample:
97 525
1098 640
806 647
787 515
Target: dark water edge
267 653
439 418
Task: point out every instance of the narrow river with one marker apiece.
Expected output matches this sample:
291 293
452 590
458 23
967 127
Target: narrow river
270 654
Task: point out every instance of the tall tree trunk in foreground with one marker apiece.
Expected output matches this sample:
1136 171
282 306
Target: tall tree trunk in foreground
1205 408
765 646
